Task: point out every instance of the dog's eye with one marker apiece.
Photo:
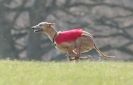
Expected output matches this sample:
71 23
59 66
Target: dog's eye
41 25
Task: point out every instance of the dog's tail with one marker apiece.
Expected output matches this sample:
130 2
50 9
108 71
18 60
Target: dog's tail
102 55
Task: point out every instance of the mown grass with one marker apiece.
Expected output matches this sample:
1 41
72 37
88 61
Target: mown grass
65 73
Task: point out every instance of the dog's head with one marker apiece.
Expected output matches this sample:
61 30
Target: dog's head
42 26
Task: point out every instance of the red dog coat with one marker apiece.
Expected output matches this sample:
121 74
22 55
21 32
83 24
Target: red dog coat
68 36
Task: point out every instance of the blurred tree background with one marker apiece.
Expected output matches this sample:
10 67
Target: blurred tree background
110 21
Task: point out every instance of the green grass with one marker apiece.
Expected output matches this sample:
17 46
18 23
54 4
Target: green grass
65 73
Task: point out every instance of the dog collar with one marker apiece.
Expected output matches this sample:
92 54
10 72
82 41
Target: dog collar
54 37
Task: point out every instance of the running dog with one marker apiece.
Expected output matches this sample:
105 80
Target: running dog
72 42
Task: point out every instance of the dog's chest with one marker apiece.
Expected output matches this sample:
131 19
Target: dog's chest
68 36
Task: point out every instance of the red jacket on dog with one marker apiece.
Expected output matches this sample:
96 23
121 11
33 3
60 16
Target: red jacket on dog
68 36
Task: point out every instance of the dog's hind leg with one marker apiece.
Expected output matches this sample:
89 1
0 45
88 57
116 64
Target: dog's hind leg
77 49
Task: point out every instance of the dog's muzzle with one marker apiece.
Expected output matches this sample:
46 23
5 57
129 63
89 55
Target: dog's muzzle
36 29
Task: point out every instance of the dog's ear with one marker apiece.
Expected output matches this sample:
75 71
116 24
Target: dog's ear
50 24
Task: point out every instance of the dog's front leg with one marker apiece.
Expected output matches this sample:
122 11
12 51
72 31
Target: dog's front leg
71 55
77 53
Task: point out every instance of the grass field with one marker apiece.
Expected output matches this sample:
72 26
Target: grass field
65 73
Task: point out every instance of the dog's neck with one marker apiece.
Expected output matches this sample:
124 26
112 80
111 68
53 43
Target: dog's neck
51 33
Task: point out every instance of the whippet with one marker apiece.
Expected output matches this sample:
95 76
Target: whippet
73 42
